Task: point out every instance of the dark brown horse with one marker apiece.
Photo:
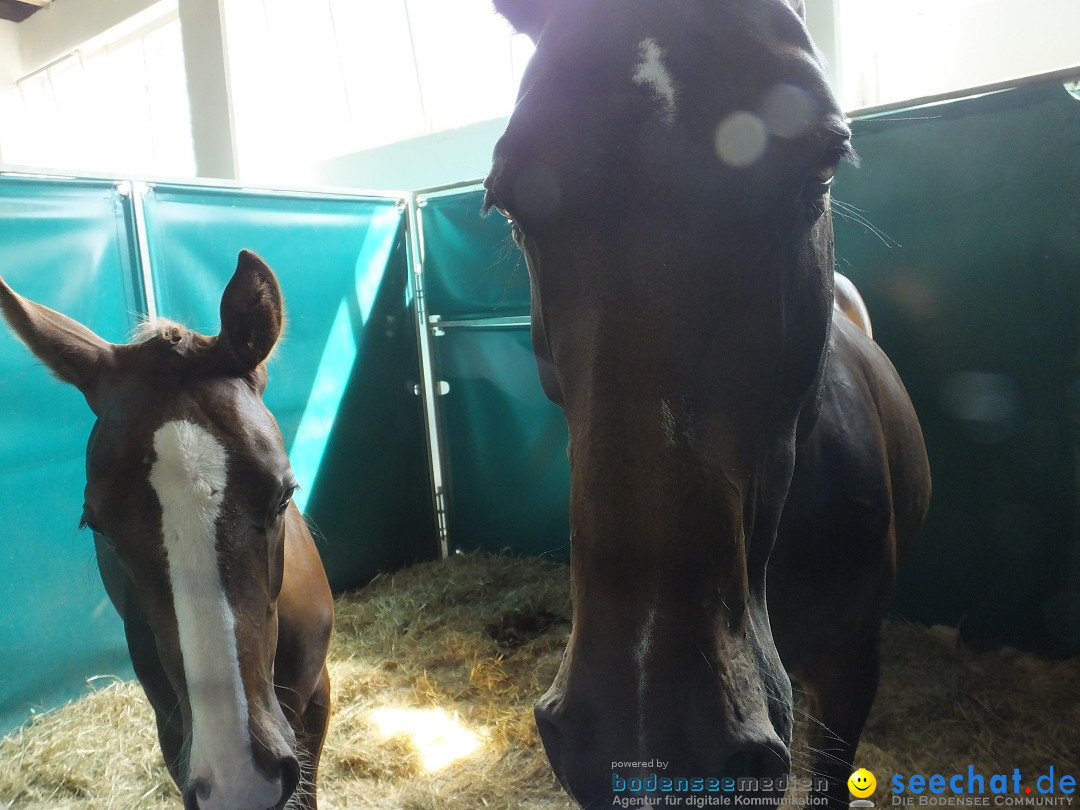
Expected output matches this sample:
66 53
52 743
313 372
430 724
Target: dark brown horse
225 602
667 170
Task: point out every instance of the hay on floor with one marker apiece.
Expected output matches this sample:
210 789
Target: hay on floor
451 656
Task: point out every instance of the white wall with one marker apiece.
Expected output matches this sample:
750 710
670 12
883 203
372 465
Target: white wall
10 59
120 106
1012 40
10 71
442 158
64 25
47 35
824 27
893 52
208 88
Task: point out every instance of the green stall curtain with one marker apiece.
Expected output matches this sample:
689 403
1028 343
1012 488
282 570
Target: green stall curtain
342 382
504 442
472 268
68 245
962 230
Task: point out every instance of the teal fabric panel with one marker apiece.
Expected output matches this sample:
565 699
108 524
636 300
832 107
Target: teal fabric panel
472 268
505 443
341 383
971 272
68 245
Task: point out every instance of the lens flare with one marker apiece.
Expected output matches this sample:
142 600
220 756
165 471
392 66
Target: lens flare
740 139
787 110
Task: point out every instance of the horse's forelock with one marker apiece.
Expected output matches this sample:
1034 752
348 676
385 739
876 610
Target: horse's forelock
162 334
153 329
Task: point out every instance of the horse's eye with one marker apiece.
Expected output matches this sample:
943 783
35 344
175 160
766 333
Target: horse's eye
87 521
285 501
817 183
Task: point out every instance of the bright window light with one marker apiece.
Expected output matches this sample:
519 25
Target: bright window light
315 80
118 104
439 738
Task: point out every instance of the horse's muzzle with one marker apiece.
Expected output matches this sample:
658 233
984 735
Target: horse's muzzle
200 793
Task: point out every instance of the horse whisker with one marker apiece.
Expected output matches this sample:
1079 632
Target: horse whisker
853 214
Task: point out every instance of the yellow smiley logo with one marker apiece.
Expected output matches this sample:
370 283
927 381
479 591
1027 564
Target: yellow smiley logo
861 783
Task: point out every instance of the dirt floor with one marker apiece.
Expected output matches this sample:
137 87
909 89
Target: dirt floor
435 671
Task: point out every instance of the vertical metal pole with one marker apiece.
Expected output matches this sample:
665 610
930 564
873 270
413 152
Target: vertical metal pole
136 191
429 388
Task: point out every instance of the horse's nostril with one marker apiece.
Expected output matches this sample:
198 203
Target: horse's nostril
550 735
290 777
766 760
198 791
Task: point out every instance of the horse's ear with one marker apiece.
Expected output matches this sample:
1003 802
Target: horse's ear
800 8
71 351
527 16
252 313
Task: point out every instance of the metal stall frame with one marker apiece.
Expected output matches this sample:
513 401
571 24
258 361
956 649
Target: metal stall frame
429 327
429 389
139 189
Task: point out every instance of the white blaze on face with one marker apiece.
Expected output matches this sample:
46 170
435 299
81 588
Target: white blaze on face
189 476
651 72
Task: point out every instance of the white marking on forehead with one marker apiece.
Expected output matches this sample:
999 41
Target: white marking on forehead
189 476
651 72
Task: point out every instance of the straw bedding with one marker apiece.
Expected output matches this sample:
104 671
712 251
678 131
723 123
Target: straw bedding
479 637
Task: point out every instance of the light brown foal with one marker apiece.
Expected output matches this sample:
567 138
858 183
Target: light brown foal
224 599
